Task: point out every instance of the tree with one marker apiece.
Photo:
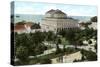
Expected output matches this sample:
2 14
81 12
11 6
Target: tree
35 26
90 42
33 42
57 42
36 45
45 61
64 43
62 33
22 53
94 19
70 36
50 36
90 56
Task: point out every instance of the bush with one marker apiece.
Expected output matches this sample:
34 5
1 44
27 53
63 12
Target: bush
90 42
90 56
94 19
45 61
22 53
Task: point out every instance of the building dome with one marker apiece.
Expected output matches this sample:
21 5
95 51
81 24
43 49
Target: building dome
55 14
49 13
59 14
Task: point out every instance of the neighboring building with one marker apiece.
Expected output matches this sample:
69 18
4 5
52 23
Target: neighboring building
22 28
56 20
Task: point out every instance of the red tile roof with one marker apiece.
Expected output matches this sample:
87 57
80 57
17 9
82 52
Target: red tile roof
19 27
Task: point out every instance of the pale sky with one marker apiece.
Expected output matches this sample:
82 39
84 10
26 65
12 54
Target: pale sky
41 8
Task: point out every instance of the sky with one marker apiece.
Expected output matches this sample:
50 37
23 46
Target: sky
42 8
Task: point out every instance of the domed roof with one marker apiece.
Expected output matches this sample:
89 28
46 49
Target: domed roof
59 12
55 14
50 11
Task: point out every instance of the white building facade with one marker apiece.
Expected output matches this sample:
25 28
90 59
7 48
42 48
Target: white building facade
56 20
